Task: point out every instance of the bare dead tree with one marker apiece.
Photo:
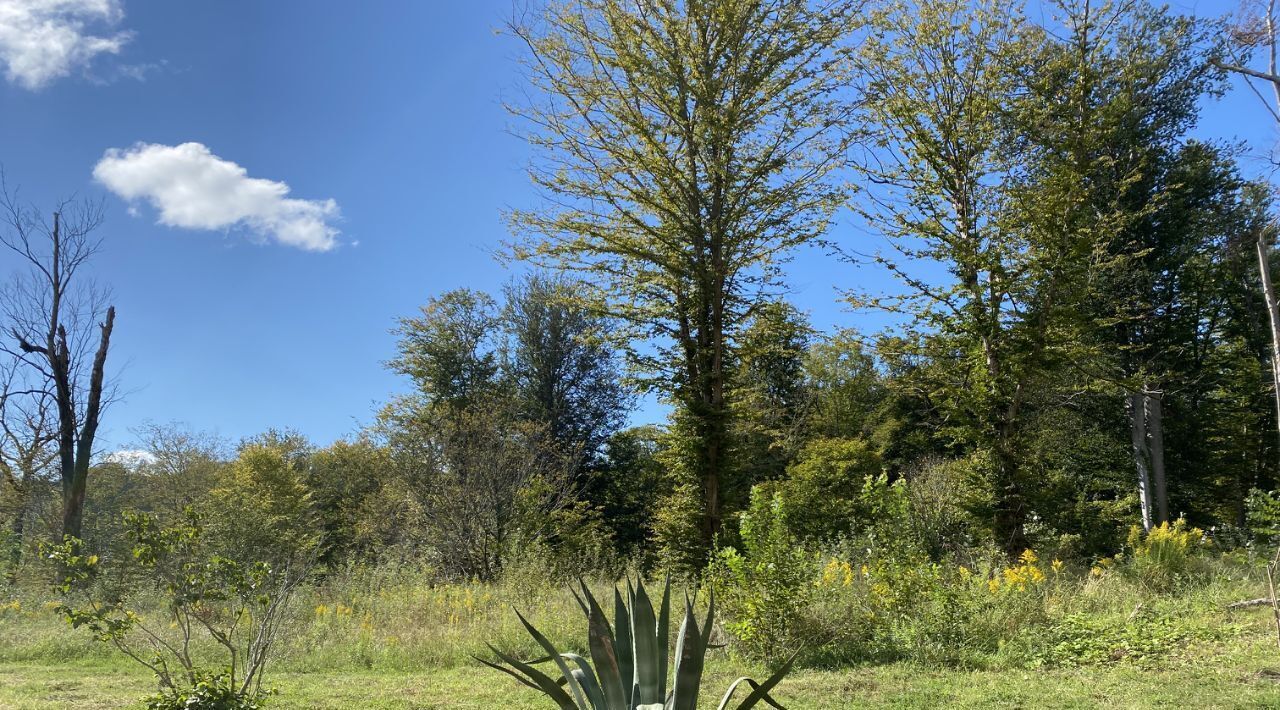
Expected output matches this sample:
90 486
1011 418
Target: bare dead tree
58 324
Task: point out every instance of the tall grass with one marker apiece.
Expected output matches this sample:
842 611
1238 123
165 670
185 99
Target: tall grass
407 619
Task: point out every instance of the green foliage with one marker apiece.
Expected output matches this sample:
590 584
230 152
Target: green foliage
939 496
686 151
766 589
482 482
1167 554
845 388
262 509
680 516
564 376
448 350
344 481
627 489
236 605
629 661
1263 515
770 399
822 493
678 531
1082 639
214 692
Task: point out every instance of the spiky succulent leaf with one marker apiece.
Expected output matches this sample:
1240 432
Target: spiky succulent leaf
603 646
706 626
586 678
543 681
664 637
644 638
622 645
579 695
761 691
690 652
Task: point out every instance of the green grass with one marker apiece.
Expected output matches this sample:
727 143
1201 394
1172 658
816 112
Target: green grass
1247 677
392 640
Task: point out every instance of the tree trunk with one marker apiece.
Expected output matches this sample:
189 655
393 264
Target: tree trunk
1138 435
1273 314
1010 511
74 489
16 531
1155 441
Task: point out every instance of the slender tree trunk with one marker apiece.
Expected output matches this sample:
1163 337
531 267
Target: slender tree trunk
1155 441
16 532
1010 511
1138 434
1273 315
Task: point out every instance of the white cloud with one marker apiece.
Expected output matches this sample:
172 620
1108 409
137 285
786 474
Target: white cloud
192 188
131 458
43 40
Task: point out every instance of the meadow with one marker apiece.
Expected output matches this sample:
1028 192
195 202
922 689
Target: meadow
396 638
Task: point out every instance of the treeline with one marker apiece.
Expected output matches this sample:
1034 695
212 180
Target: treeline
1081 339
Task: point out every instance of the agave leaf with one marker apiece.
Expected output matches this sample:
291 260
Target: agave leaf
508 671
664 637
761 691
724 703
574 687
544 682
645 639
689 656
581 604
586 677
603 651
706 627
622 645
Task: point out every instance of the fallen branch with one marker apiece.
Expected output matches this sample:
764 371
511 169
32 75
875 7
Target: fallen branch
1260 601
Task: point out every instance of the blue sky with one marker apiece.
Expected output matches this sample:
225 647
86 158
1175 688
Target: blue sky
391 109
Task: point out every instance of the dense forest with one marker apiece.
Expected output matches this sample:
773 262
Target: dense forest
1082 362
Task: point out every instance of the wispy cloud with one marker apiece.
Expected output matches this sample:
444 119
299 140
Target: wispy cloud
131 458
192 188
44 40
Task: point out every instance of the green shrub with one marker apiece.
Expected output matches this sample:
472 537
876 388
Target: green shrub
205 598
1166 555
216 692
766 588
823 489
678 529
1262 515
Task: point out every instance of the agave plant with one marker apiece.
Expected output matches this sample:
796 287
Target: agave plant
628 666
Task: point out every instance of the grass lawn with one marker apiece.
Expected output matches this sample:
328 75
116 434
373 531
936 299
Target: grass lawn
1245 675
409 646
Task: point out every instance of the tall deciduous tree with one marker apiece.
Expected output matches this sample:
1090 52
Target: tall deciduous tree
563 372
941 77
449 350
1111 178
771 397
59 325
1259 27
684 148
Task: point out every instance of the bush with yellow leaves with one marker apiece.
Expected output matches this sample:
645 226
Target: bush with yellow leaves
1168 554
